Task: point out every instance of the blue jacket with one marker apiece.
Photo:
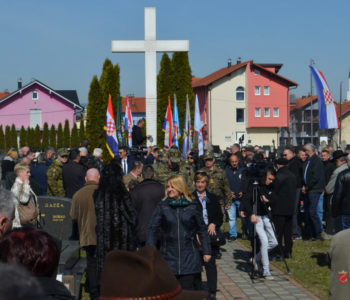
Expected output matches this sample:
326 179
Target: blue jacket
179 226
234 179
38 174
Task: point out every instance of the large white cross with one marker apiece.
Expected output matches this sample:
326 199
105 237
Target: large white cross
151 46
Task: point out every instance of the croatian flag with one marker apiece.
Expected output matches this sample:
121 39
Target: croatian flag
327 114
198 127
128 120
176 124
111 134
168 126
187 140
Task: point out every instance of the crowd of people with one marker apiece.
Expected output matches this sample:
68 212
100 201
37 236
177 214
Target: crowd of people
184 207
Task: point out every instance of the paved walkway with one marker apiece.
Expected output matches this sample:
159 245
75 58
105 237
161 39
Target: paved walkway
234 281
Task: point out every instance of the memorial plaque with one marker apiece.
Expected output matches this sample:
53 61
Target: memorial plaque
54 215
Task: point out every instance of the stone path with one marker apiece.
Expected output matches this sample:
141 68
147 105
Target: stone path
234 281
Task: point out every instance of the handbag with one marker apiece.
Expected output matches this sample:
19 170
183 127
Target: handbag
27 212
218 239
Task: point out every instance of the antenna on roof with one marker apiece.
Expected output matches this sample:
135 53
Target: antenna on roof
229 62
239 60
19 83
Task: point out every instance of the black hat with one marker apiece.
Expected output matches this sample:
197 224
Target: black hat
338 154
282 161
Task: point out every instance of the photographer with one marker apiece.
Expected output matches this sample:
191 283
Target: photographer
283 205
259 216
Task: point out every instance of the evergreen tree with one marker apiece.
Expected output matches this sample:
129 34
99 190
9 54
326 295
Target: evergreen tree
14 143
45 141
182 85
37 138
95 121
82 134
22 137
59 136
75 141
66 135
8 137
165 87
29 141
52 140
2 139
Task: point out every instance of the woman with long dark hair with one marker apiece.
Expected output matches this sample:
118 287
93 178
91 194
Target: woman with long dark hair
115 215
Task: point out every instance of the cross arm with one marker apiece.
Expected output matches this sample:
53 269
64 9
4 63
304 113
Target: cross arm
128 46
172 46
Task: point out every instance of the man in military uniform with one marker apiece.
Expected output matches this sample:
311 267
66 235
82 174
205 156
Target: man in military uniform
54 174
218 183
172 167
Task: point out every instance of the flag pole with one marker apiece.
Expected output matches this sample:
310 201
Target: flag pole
311 103
340 93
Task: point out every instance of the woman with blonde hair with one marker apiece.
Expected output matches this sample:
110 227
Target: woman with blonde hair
180 224
26 201
8 163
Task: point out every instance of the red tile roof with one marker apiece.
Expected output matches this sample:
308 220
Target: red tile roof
205 81
137 104
217 75
302 102
4 94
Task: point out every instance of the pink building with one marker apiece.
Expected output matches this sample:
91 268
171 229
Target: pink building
36 103
246 100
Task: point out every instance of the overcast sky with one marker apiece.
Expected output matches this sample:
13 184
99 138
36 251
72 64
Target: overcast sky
64 43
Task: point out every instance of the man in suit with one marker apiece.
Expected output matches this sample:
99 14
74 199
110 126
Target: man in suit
213 218
127 161
138 139
314 184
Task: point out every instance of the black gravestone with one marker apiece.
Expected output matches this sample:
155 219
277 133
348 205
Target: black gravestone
54 216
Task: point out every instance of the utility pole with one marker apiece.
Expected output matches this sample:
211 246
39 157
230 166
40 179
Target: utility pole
311 103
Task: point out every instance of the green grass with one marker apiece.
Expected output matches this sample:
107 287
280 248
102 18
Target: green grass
308 266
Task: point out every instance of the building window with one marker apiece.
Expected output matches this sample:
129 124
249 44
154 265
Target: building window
266 90
276 112
257 112
240 94
240 115
256 72
257 90
35 95
266 112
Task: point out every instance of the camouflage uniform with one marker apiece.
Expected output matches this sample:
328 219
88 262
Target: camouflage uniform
54 177
218 183
163 172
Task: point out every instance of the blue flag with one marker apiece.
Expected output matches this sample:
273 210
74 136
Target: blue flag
176 125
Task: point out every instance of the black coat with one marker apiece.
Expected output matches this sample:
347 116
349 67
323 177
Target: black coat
283 199
179 227
296 167
213 206
53 289
137 138
6 167
73 175
315 177
341 196
329 167
145 197
262 208
115 219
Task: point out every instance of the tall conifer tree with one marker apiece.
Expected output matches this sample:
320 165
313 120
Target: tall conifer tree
82 134
22 137
165 87
66 135
95 122
45 140
8 137
37 138
52 139
182 85
59 136
29 139
2 139
74 141
14 143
